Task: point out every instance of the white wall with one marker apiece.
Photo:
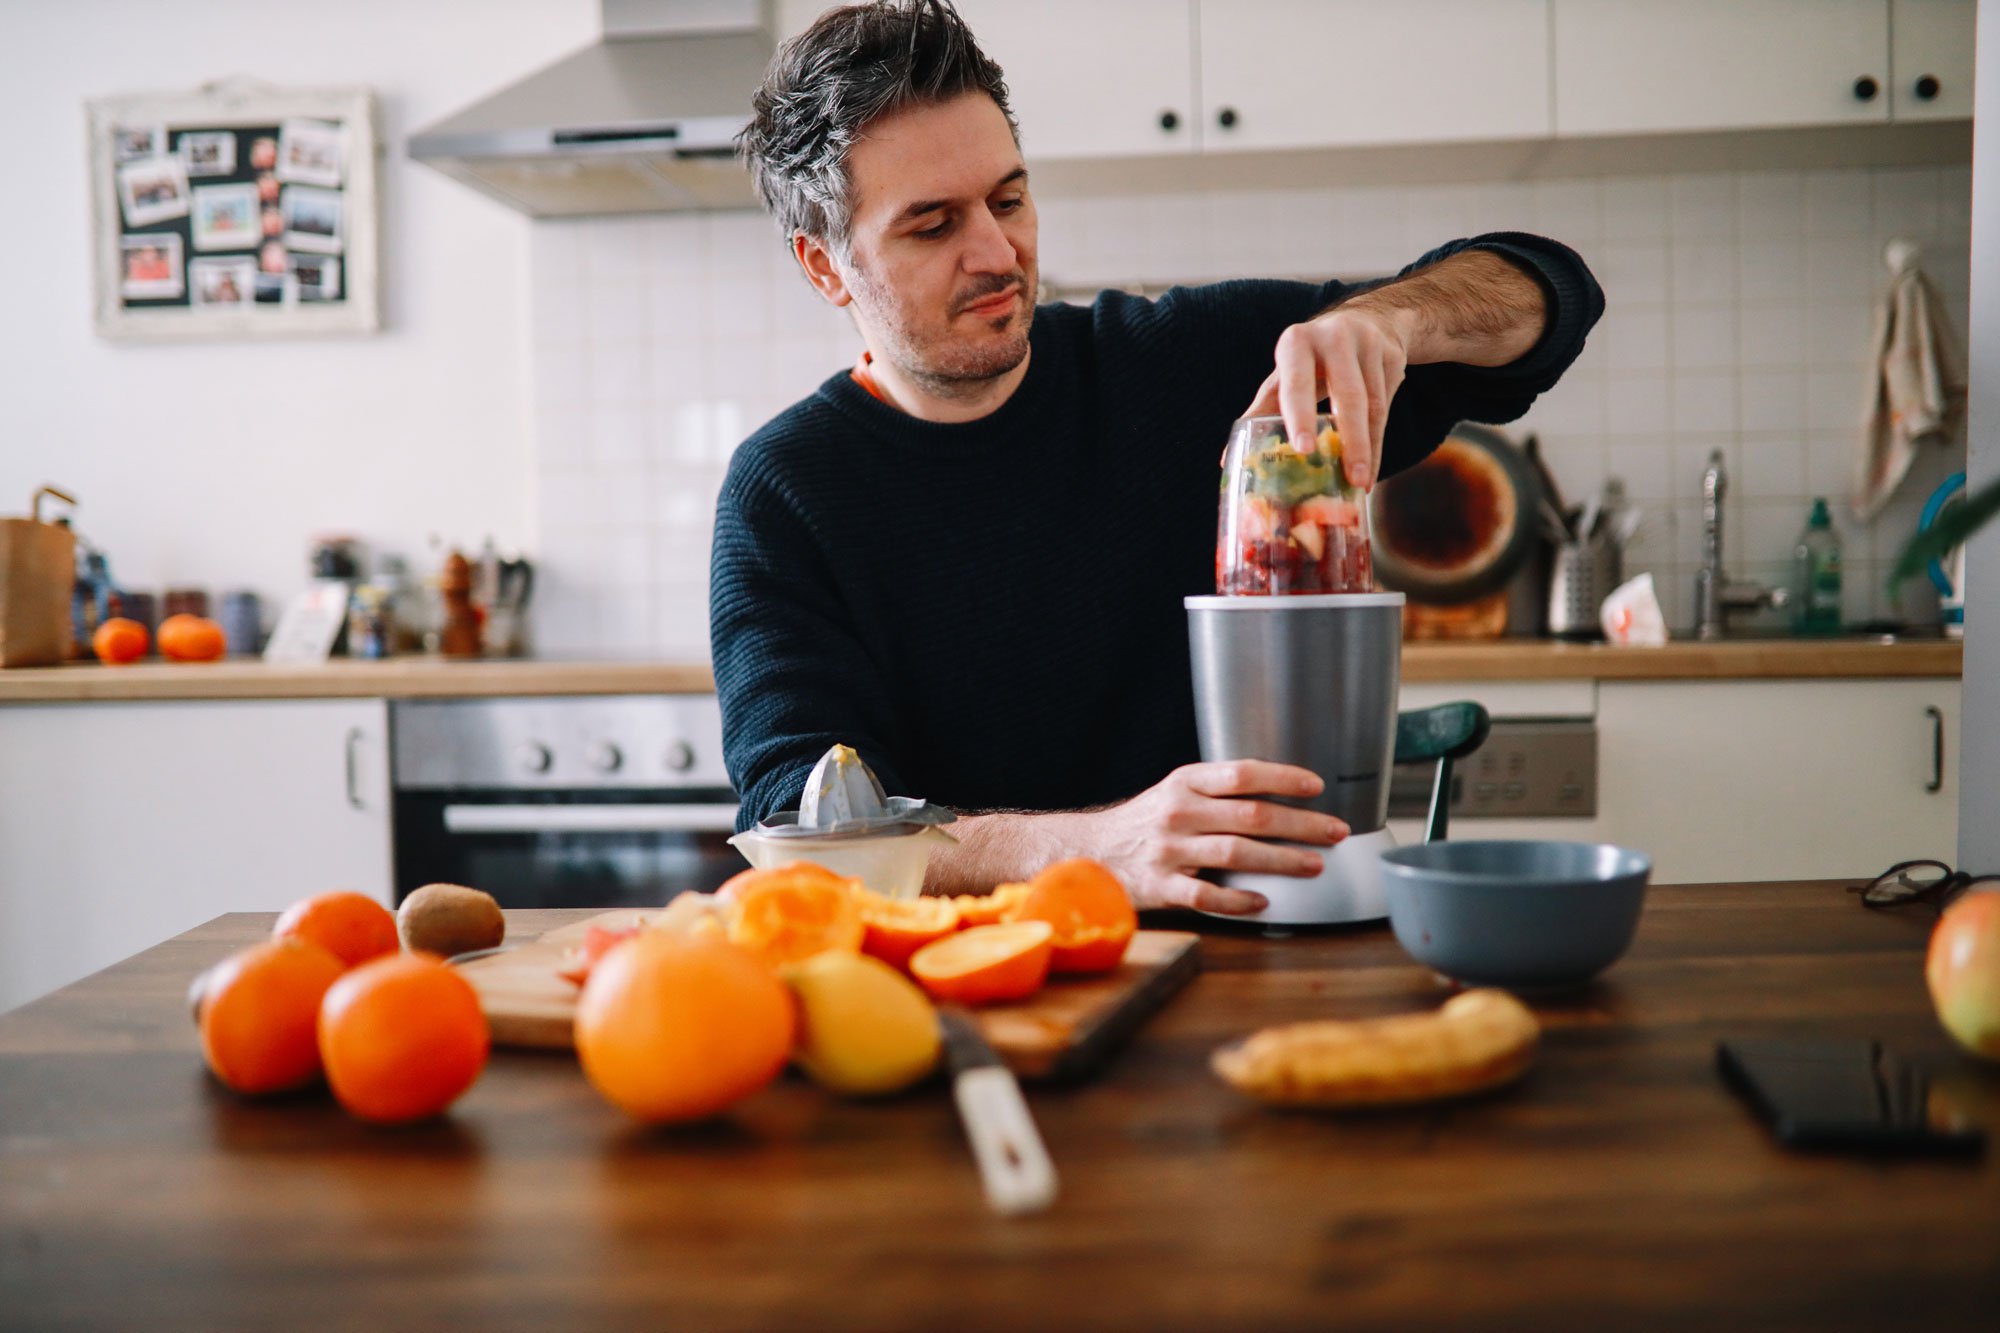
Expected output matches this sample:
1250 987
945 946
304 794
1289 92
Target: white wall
211 464
1979 770
1739 312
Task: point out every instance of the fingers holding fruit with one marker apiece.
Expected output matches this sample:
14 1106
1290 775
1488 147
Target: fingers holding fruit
1353 359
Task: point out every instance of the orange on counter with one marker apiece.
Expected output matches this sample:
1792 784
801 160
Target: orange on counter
351 926
186 638
988 909
402 1037
1088 909
789 914
986 963
118 641
895 928
677 1026
258 1014
733 888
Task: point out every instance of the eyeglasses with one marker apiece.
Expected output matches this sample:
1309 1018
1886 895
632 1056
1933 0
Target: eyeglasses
1906 882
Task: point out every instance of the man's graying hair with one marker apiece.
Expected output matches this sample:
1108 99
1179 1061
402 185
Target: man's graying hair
826 85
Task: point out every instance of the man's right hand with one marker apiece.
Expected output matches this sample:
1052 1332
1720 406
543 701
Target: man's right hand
1198 818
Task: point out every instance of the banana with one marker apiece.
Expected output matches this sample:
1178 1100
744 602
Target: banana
1475 1041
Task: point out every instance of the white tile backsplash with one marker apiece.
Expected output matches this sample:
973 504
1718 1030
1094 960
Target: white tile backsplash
1739 313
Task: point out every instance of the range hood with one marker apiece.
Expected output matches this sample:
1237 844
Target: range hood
644 121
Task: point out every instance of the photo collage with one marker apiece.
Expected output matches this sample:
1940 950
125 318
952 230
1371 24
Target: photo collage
239 216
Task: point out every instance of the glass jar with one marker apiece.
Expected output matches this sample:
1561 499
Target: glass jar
1287 520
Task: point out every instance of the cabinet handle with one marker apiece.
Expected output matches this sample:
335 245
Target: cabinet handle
1226 118
354 735
1865 88
1927 88
1169 121
1936 715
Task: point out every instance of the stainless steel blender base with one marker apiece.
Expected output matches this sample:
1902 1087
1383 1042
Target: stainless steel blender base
1348 889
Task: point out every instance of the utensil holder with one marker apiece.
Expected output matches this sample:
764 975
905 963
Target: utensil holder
1584 574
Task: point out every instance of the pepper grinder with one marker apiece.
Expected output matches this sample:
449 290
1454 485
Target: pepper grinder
460 637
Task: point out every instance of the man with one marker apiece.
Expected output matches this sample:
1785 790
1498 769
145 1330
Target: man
966 557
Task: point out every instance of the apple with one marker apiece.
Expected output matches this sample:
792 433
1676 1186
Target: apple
1963 969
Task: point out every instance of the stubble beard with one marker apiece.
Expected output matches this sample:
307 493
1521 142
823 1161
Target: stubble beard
938 361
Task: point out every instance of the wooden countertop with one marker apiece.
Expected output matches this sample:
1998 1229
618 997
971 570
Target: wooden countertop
1618 1186
423 677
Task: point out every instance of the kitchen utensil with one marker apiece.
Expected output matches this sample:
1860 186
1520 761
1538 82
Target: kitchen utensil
1014 1165
37 576
846 823
1288 521
1458 525
1520 914
1061 1034
1585 572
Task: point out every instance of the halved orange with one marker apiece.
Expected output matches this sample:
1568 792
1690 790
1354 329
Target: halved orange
1087 908
787 918
733 888
898 927
986 963
988 909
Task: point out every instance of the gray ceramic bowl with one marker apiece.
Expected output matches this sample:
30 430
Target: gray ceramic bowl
1530 915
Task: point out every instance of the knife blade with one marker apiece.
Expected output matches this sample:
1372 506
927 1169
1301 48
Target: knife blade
1014 1165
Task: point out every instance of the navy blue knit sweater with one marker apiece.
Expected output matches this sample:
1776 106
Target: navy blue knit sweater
990 612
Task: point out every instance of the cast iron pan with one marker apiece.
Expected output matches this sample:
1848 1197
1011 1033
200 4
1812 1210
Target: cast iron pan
1457 526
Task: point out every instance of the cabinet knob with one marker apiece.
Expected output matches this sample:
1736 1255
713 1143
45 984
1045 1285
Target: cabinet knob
534 757
605 757
1226 118
1169 121
1927 88
680 756
1865 88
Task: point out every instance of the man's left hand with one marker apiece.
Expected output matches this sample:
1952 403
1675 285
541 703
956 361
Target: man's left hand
1352 357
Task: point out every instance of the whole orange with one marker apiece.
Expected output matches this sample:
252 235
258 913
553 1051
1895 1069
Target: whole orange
258 1012
351 926
402 1037
187 638
1089 910
119 640
678 1026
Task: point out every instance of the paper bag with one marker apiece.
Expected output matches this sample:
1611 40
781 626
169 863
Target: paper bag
37 576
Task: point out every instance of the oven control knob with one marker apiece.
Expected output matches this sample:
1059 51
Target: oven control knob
680 756
534 757
604 757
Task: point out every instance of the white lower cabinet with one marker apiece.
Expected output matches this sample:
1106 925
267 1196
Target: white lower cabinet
1796 779
124 824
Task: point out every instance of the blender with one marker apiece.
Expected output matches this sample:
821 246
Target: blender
1297 659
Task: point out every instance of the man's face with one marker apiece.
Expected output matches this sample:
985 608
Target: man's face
941 263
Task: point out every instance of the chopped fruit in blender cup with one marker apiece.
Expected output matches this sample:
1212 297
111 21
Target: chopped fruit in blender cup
1289 521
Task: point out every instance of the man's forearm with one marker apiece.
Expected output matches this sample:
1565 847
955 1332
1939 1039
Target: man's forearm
1001 849
1474 307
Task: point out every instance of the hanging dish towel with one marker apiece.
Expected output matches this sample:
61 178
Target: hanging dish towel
1919 391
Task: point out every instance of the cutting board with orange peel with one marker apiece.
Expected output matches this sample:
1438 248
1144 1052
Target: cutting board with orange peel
1063 1032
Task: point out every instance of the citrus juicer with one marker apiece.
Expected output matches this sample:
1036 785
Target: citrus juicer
846 823
1297 661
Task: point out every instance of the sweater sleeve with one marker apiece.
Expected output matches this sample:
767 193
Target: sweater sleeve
790 674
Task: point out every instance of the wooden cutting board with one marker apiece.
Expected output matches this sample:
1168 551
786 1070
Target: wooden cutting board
1064 1031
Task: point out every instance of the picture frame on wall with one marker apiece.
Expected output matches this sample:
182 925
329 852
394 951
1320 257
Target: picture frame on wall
235 210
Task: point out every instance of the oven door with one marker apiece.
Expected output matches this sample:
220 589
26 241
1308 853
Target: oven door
627 848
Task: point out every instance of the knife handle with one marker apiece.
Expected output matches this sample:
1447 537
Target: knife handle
1013 1164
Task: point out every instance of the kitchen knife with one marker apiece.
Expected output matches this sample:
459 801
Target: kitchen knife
1013 1165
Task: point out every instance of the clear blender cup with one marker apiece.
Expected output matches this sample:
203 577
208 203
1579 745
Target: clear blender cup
1287 521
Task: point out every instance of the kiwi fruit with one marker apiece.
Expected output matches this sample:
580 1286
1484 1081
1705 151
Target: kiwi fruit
450 919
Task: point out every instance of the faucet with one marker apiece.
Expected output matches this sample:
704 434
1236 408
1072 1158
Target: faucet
1715 593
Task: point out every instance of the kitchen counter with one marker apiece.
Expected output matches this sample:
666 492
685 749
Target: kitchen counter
423 677
1618 1186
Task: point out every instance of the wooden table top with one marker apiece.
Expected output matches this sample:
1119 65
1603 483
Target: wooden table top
1619 1186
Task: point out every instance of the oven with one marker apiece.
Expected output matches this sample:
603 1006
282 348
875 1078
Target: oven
580 801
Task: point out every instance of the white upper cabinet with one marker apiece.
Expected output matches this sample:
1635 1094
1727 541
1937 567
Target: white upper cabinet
1094 78
1931 59
1632 66
1333 73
